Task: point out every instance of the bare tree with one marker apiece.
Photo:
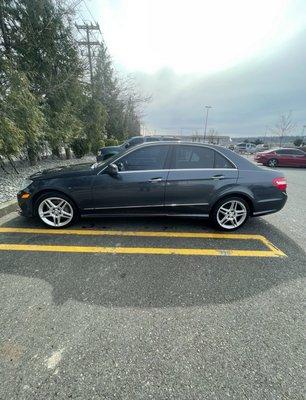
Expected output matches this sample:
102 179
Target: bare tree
284 126
213 136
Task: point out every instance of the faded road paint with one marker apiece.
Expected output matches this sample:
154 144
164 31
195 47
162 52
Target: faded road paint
272 252
141 250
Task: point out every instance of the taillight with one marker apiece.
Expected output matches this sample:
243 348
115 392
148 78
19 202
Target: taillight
280 183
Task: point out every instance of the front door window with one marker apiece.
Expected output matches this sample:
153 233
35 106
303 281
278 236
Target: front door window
145 159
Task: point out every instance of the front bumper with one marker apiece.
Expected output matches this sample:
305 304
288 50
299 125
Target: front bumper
25 205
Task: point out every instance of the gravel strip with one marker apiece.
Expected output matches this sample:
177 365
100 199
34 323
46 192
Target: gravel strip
10 182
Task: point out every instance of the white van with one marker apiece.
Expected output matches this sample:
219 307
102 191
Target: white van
250 148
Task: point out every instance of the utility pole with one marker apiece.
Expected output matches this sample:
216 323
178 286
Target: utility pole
266 131
304 127
207 110
88 43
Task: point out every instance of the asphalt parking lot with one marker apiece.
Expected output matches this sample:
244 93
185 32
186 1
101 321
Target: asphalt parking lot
154 308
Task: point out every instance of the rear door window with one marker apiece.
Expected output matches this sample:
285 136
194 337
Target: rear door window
283 152
192 157
221 162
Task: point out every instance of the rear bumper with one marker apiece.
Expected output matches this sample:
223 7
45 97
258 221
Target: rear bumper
269 206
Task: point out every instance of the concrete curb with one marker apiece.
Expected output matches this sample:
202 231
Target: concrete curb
8 207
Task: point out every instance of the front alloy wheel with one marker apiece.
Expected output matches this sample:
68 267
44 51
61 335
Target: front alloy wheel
56 212
231 214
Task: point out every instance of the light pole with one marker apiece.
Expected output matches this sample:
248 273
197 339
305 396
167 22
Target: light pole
207 110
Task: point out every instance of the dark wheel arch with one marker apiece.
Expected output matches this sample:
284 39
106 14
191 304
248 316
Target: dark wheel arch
43 192
243 196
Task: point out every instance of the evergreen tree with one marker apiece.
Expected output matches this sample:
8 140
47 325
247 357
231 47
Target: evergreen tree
21 116
95 119
42 96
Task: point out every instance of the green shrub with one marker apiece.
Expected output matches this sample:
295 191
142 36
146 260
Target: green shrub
111 142
80 147
96 146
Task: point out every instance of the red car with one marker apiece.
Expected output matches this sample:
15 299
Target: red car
282 157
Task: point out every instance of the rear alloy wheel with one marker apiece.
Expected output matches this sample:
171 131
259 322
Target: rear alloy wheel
230 214
56 211
272 163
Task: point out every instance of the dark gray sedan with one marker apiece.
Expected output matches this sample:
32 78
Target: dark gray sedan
162 178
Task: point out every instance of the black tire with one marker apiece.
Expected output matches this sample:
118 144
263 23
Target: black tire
272 163
70 207
215 214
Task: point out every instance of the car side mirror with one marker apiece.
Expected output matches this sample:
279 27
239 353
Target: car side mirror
127 145
112 170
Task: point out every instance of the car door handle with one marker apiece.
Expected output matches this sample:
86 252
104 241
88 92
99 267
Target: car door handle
155 180
216 177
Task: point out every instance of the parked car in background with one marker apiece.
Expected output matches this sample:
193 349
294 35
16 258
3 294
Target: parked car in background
249 148
109 151
283 157
262 147
165 178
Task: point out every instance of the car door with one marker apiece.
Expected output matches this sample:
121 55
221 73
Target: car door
196 174
285 158
299 158
139 186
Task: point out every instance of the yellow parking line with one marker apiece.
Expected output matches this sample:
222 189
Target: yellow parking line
138 250
92 232
274 251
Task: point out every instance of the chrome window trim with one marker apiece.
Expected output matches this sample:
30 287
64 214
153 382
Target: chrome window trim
173 170
160 143
204 169
143 170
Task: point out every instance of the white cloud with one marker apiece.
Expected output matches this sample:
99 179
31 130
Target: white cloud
195 35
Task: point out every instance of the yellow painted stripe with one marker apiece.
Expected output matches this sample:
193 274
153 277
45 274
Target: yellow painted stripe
89 232
138 250
272 247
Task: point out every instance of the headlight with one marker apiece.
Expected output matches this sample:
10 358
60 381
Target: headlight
25 184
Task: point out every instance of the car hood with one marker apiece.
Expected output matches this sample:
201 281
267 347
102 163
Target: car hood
64 171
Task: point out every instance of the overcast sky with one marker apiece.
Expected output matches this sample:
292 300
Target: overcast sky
245 58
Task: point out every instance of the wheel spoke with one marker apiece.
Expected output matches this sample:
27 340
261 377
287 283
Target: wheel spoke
61 204
233 205
47 213
224 219
239 213
49 203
